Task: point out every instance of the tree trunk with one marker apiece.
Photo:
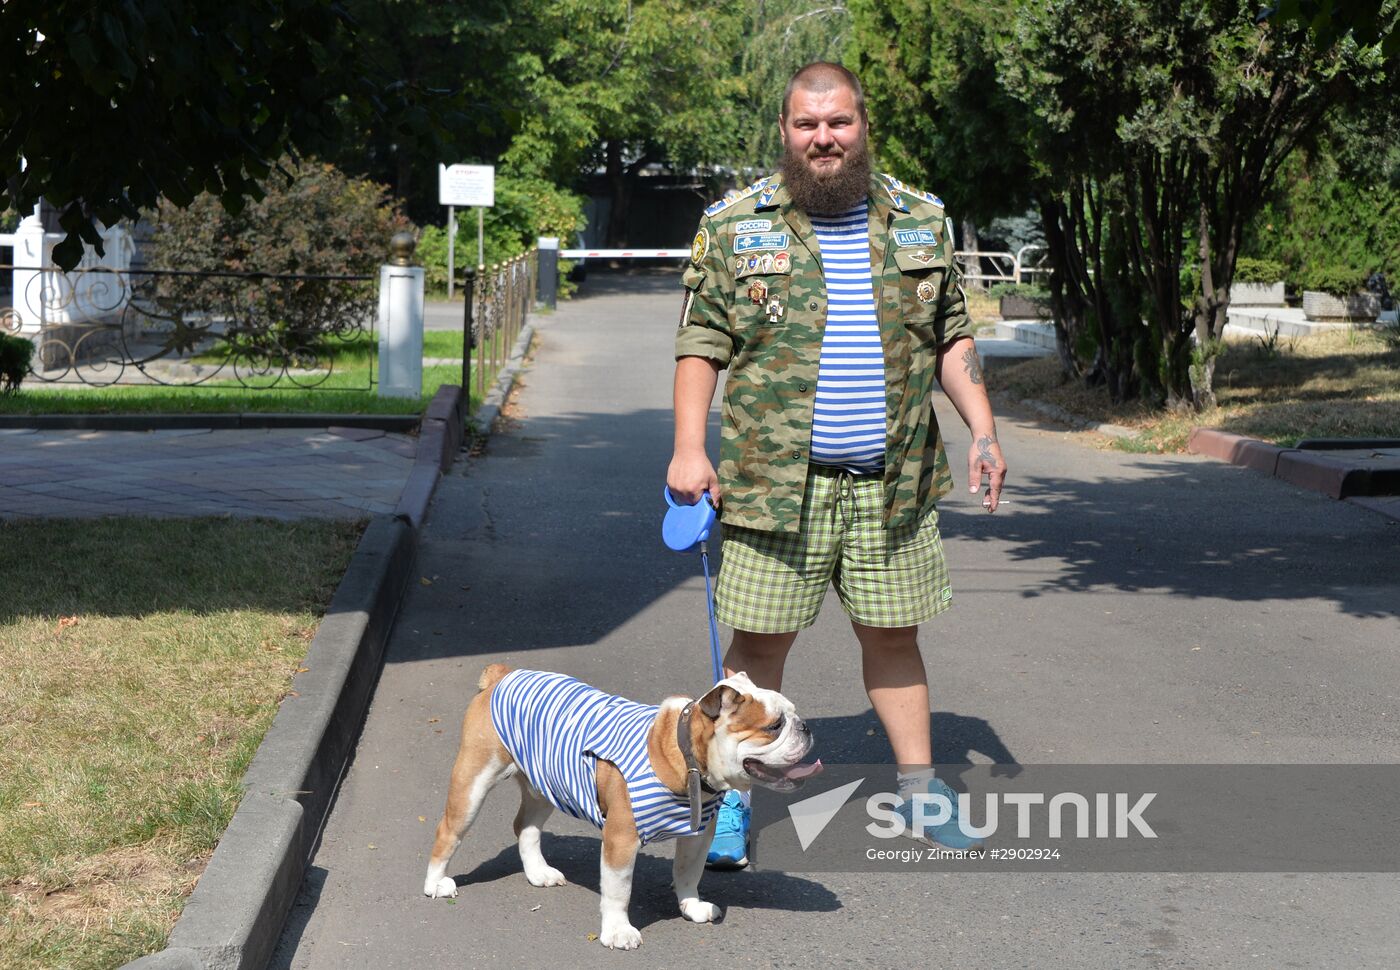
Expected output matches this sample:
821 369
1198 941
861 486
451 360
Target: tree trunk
971 264
1064 299
1208 334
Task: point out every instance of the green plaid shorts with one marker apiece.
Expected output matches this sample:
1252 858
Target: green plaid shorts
774 582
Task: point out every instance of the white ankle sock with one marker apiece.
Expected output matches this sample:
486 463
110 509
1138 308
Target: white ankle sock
916 780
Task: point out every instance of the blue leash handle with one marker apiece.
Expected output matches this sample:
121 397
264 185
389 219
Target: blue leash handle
716 663
684 528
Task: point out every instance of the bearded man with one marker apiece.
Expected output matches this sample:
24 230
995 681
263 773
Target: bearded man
831 296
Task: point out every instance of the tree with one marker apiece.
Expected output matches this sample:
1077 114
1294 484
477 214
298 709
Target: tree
1368 21
1163 127
935 107
1146 134
939 116
452 101
113 106
779 37
620 85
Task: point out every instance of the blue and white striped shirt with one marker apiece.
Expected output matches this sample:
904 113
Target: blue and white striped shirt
557 728
848 424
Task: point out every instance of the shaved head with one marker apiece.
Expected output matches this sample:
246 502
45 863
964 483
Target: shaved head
821 77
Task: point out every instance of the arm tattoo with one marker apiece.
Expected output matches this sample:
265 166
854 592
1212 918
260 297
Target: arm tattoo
984 450
971 365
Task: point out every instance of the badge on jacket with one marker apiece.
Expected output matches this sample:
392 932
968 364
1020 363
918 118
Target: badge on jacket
700 246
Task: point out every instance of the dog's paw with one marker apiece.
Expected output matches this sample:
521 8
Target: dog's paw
444 888
621 936
545 876
699 911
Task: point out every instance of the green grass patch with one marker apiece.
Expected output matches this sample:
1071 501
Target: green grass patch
346 391
357 352
1340 384
143 660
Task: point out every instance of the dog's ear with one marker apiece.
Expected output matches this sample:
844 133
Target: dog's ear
717 699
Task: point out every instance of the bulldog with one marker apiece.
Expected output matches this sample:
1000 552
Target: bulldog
638 772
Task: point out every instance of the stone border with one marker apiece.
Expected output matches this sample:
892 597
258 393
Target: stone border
485 416
217 422
234 918
1310 468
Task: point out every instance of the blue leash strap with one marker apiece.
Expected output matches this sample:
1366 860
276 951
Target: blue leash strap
716 663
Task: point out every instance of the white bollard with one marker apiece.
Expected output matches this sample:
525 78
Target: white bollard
401 322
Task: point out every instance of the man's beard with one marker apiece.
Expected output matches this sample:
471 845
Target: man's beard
824 193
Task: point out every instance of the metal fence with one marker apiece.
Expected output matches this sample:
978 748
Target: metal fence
101 326
499 298
994 267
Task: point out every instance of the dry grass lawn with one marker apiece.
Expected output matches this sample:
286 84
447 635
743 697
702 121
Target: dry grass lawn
1341 384
141 662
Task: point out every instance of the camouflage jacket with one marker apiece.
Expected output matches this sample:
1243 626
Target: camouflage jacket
755 301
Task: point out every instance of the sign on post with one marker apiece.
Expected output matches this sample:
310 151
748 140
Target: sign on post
473 185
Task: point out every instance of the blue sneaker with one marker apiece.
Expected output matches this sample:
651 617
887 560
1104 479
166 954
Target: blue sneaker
945 836
730 847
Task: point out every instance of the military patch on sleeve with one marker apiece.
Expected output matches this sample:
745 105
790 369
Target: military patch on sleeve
700 246
897 190
685 308
717 207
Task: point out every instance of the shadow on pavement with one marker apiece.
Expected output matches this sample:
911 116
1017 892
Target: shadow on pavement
652 278
559 548
1196 530
653 900
859 739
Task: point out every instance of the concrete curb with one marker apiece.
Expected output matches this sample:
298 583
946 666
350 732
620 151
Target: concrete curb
1313 468
235 915
439 440
1235 449
485 416
218 422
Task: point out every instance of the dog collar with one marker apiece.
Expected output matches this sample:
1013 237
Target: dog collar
694 781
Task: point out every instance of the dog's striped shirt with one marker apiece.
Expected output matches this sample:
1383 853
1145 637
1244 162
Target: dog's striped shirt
557 728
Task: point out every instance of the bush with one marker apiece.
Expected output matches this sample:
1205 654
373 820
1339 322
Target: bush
525 209
1031 291
1258 270
1337 280
321 223
1329 231
15 355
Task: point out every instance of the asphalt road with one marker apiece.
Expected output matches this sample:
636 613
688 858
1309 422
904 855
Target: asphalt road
1119 608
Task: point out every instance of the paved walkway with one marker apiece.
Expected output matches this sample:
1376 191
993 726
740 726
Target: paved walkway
274 473
1120 608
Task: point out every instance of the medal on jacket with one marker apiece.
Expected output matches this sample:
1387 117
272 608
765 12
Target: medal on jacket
925 291
775 310
758 292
